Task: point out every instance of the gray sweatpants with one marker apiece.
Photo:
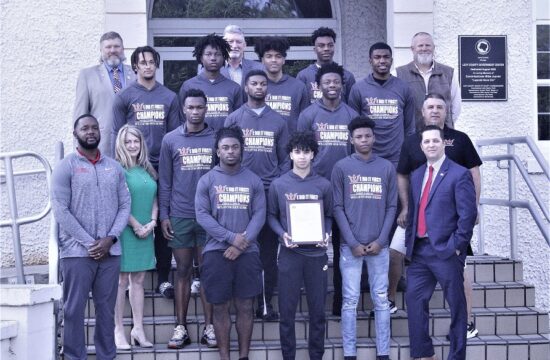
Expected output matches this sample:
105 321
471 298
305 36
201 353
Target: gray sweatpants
80 275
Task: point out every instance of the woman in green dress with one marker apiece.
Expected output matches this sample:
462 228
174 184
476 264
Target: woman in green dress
138 253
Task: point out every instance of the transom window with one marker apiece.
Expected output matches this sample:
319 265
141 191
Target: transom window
175 26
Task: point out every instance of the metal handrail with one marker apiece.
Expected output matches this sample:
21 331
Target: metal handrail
512 203
15 221
53 244
520 140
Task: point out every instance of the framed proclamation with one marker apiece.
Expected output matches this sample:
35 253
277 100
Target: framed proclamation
306 221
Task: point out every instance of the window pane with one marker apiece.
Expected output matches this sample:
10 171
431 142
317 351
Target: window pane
543 65
543 37
241 9
543 95
293 67
190 41
544 127
176 72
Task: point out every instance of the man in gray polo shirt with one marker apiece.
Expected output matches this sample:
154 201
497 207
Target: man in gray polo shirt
91 203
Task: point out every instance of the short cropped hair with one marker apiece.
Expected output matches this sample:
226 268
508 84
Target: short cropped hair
322 32
233 29
109 36
233 131
75 124
303 140
254 73
277 43
360 122
432 127
194 93
215 41
134 59
434 95
332 68
380 46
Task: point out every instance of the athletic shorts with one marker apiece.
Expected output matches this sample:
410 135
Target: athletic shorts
187 233
398 240
225 279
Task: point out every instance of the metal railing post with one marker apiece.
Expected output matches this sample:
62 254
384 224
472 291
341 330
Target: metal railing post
53 246
17 253
481 226
512 211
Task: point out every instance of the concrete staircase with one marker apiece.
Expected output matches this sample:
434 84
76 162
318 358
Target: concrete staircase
510 327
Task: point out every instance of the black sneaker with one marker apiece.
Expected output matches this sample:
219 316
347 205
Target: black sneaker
270 314
393 310
180 338
471 330
166 290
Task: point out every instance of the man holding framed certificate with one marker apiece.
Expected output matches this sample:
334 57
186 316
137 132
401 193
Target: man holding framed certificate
365 199
299 209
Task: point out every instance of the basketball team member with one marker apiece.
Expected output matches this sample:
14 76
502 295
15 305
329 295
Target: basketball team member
230 205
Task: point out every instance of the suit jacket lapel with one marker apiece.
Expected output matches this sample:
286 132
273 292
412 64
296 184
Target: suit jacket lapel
104 77
128 76
439 178
417 184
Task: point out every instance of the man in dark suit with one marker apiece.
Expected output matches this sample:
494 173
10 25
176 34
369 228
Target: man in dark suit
97 86
443 208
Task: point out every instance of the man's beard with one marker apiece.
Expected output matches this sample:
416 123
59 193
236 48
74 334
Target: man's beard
257 98
424 59
85 145
113 61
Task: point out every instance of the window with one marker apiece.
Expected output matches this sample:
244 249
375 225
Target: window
175 25
543 81
241 9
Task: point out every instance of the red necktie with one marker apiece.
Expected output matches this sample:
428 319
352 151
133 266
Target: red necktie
421 229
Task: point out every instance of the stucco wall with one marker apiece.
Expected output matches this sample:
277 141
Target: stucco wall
514 117
43 47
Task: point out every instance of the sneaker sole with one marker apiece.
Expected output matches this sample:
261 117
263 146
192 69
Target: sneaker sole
179 347
210 346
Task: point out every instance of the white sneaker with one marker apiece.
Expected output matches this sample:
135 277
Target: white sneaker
209 337
195 286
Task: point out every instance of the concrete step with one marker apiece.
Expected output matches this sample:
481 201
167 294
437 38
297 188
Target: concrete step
512 347
491 294
489 321
482 268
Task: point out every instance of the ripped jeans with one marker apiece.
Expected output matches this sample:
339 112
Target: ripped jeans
351 268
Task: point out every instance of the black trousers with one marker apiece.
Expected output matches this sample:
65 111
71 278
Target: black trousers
294 270
268 255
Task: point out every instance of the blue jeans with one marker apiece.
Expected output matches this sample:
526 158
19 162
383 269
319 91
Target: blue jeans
351 268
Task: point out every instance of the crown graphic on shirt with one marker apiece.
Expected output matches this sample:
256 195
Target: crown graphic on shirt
248 132
184 151
291 196
220 188
322 126
314 86
371 100
138 107
354 179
